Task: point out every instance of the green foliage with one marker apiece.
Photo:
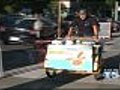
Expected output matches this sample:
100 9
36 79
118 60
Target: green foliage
8 9
10 6
110 3
53 5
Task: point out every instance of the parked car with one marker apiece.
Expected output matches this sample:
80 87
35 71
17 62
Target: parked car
23 31
6 22
115 26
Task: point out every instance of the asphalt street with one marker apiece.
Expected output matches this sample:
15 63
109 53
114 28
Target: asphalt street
34 77
17 56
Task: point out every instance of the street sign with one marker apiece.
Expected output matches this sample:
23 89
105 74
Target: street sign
1 64
105 30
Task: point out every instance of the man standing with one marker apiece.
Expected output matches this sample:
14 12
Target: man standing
86 25
38 26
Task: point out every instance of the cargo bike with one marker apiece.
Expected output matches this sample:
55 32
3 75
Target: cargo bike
79 55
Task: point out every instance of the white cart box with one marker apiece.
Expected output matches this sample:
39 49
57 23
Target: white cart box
69 57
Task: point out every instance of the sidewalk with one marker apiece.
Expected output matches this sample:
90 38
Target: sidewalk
21 75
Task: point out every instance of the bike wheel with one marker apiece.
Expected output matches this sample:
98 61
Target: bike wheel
51 73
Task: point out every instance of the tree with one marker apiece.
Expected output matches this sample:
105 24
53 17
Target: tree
53 5
11 6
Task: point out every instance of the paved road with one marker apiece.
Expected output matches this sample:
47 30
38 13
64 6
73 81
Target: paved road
35 78
16 56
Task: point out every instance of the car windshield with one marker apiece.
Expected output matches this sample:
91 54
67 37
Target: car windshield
25 24
9 21
28 23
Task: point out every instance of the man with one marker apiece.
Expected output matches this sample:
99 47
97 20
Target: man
84 25
38 26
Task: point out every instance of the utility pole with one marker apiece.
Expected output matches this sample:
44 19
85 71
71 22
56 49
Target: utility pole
1 64
59 19
116 10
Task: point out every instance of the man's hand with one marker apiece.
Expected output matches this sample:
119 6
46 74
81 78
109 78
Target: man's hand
68 37
95 38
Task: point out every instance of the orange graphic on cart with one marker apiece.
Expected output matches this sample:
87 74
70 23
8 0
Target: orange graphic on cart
79 60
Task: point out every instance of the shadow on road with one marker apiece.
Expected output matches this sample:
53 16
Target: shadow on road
112 62
109 44
117 35
19 58
48 83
